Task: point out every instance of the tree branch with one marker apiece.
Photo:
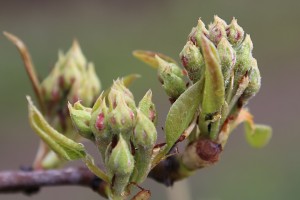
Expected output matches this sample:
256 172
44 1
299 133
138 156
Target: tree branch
30 182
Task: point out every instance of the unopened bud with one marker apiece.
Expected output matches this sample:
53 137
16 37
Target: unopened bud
121 118
120 165
243 59
170 76
192 60
235 33
99 125
227 57
147 107
71 66
50 89
144 139
217 30
118 88
145 134
81 117
254 82
76 54
89 88
71 79
69 74
195 35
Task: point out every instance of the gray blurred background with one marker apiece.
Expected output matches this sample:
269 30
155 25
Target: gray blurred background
109 31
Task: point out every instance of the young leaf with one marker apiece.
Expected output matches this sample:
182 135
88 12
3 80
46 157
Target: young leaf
148 57
213 97
181 113
63 146
259 135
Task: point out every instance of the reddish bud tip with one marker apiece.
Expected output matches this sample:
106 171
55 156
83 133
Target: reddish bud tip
131 115
152 115
184 61
100 122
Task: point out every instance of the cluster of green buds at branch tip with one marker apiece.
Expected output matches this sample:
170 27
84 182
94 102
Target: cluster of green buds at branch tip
71 79
124 133
224 75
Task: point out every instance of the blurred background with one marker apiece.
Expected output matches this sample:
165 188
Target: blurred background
109 31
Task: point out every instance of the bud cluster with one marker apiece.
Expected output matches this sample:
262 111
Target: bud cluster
71 79
171 78
124 133
218 62
232 52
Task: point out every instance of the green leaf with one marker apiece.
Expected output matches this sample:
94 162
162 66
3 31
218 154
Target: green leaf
148 57
259 135
181 114
179 118
214 91
60 144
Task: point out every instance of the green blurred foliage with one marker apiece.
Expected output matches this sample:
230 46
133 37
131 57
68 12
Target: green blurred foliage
109 31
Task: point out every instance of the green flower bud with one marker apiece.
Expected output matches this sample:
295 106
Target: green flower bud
243 60
121 119
227 57
144 139
66 71
69 74
88 88
170 75
235 33
99 125
192 61
254 82
118 88
76 54
145 134
217 30
81 117
195 35
50 89
71 79
147 107
120 166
